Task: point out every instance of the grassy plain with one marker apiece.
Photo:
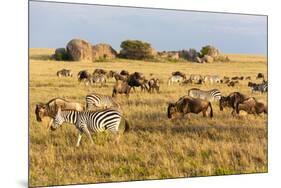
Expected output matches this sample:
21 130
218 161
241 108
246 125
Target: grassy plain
155 147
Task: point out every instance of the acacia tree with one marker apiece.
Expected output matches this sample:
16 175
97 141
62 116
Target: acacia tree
136 49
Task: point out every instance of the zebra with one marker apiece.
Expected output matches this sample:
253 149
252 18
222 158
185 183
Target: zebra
95 100
196 78
96 79
211 95
88 122
263 87
176 78
65 73
211 79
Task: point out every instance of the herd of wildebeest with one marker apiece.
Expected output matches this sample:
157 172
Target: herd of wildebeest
102 112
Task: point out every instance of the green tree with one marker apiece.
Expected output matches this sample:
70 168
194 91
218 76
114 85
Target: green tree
136 49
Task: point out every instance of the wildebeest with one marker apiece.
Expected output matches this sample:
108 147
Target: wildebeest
153 84
211 79
237 78
49 109
248 78
65 73
225 80
262 87
83 75
251 106
196 78
186 105
121 87
175 79
111 74
232 83
260 76
99 71
211 95
124 73
137 79
178 73
231 101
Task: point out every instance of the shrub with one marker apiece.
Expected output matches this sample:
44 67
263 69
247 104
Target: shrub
136 49
61 55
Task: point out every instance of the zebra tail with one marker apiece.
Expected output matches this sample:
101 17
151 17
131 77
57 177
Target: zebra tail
127 126
211 112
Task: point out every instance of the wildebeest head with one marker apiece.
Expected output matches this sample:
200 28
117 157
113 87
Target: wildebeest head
223 102
171 110
58 120
40 111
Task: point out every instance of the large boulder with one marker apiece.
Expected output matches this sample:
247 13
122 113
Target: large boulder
103 51
79 50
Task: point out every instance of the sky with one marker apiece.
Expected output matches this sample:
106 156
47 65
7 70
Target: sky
52 25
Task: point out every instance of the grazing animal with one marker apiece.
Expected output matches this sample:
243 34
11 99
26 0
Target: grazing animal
125 73
119 77
111 74
211 95
153 84
178 73
97 78
231 101
100 71
248 78
237 78
187 105
65 73
95 100
232 83
137 79
263 87
49 109
83 75
88 122
196 78
121 87
251 106
175 79
260 76
225 80
211 79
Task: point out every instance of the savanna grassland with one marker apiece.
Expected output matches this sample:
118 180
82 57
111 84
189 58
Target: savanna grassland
155 147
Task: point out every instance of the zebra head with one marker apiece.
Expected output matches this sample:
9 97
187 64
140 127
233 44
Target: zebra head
58 120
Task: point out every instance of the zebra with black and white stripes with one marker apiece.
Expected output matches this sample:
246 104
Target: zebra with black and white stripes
263 87
95 100
88 122
211 95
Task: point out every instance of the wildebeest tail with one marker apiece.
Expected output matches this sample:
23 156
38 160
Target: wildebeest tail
211 112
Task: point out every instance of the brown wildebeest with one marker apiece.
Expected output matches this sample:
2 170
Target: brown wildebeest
65 73
83 75
49 109
248 78
178 73
251 106
121 87
111 74
153 84
100 71
260 75
187 105
125 73
137 79
232 83
231 101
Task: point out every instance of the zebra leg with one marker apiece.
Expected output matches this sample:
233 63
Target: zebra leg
79 139
88 134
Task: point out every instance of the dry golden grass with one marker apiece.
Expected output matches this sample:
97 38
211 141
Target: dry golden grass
155 147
